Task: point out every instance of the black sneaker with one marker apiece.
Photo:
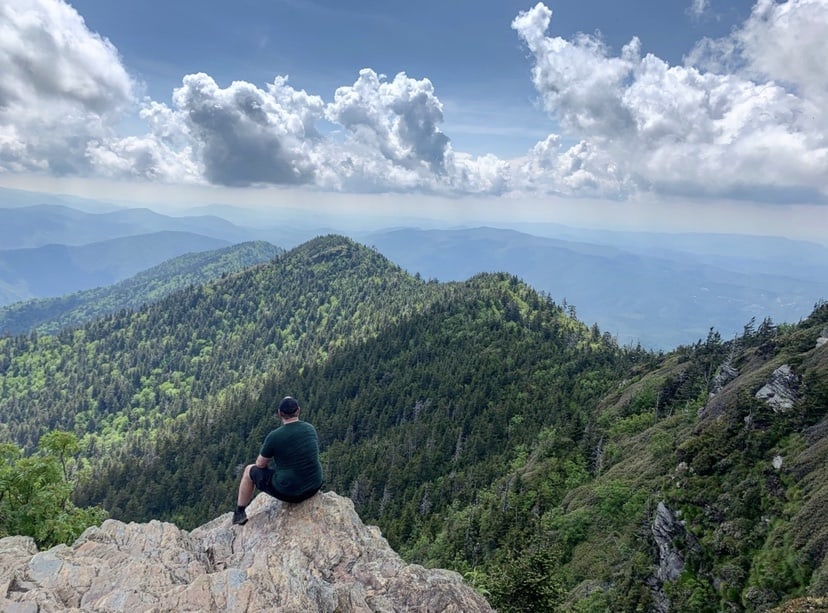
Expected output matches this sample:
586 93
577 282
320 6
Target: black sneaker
239 517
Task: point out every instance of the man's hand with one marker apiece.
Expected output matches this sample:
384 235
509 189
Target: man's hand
262 462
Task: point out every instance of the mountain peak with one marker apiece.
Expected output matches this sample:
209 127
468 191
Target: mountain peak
313 556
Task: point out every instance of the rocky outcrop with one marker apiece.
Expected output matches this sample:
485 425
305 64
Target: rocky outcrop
726 373
668 532
781 392
312 556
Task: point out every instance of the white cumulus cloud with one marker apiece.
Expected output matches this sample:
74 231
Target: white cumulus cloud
788 43
744 115
685 129
398 118
245 135
61 86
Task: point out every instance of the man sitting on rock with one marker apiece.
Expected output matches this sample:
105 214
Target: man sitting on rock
297 472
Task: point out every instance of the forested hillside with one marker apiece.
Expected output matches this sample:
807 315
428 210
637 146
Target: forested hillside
427 412
478 423
48 315
125 374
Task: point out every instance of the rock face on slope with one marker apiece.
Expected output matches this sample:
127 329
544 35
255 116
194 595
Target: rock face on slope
667 532
782 390
313 556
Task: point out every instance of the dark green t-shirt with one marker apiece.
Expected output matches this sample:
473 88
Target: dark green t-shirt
294 448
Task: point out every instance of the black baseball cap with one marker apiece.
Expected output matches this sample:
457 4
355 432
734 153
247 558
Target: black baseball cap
289 405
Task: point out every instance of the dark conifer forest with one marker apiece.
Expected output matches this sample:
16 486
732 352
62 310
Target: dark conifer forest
479 424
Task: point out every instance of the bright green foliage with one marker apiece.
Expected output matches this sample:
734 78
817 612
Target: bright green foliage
35 493
688 593
528 582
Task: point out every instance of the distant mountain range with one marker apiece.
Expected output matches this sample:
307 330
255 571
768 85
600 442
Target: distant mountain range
661 290
49 315
54 270
35 226
658 292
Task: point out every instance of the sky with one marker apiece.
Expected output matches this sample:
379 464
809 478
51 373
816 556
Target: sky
681 115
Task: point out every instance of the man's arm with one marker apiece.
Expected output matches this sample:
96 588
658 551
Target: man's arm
262 462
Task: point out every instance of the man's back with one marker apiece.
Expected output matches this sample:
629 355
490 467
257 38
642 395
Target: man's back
294 448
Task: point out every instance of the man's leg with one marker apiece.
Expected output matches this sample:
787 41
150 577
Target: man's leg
246 490
246 487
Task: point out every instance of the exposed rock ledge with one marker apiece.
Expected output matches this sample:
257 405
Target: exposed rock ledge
313 556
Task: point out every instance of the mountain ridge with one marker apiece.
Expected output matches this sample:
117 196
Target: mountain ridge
661 301
661 290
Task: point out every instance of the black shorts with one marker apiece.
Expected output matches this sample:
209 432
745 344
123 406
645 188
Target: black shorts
263 479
